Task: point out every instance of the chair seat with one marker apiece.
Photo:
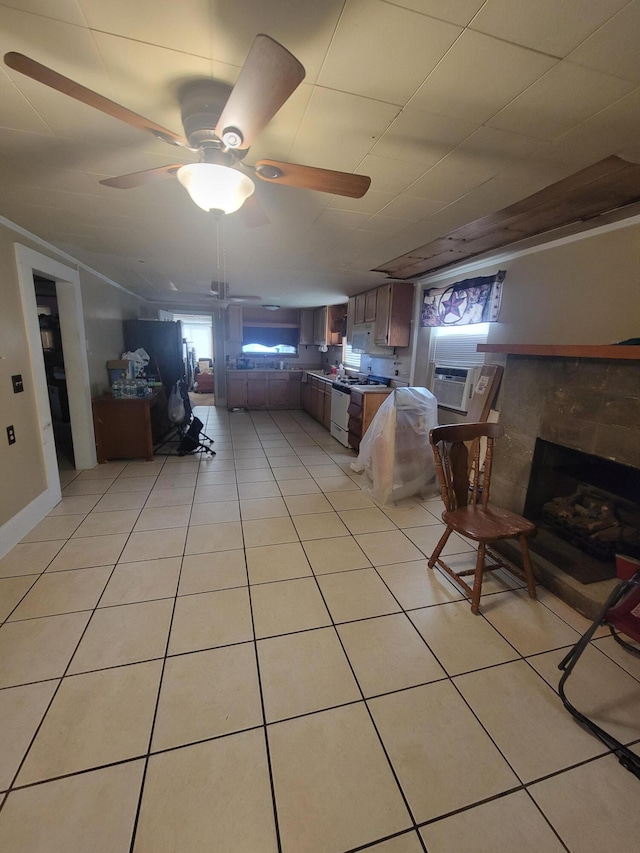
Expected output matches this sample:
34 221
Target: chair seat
486 524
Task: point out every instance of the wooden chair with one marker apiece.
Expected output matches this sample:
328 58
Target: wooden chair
465 493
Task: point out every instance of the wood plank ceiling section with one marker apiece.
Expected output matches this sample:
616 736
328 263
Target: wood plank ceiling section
611 184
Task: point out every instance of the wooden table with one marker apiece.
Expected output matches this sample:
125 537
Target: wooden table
129 427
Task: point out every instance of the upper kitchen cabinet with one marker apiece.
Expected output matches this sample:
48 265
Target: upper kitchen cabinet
233 323
328 325
370 305
360 308
307 332
394 306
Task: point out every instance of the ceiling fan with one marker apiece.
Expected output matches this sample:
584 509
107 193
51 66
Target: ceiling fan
222 298
220 123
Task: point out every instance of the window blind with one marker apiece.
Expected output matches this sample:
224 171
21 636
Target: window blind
457 348
350 358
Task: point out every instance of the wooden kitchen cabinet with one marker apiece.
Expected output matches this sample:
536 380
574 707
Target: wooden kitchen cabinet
394 306
236 390
306 327
351 316
320 326
263 389
362 408
360 309
233 323
370 302
278 392
257 390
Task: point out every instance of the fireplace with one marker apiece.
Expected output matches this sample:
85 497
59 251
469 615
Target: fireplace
585 508
584 399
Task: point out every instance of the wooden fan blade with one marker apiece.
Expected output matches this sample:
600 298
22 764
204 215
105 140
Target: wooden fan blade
138 179
310 178
31 68
270 74
252 213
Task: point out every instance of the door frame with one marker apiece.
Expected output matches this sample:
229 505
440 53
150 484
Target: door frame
72 333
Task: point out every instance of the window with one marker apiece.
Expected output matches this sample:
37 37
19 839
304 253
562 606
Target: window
455 346
197 331
350 358
278 349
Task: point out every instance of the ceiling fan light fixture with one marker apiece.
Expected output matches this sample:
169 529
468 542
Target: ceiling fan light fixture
215 187
271 307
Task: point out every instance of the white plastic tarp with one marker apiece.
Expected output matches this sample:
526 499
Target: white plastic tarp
395 454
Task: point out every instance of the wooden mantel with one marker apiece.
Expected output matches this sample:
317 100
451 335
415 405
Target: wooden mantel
608 351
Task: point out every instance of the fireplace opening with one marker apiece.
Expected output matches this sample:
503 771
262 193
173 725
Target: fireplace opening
586 509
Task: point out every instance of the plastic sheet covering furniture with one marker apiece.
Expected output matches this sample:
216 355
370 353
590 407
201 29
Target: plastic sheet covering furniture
394 452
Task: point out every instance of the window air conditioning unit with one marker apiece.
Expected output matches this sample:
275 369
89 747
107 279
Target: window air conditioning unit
453 386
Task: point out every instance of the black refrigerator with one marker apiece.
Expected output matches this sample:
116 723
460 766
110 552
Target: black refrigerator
162 340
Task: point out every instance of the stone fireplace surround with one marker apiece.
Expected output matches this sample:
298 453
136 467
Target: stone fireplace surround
589 404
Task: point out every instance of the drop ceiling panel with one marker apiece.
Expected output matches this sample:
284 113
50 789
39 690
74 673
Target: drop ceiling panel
305 29
411 208
423 138
546 25
67 49
396 49
455 11
338 129
388 174
17 111
146 78
564 97
187 29
371 203
65 10
480 157
613 49
479 76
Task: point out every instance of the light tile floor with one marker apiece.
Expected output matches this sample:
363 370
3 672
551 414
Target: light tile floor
246 654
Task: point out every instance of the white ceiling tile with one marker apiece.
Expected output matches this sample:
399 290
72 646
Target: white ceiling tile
303 28
187 29
483 155
387 53
16 111
146 78
547 25
423 138
338 129
67 49
479 76
410 208
63 10
564 97
389 175
613 48
455 11
371 203
385 226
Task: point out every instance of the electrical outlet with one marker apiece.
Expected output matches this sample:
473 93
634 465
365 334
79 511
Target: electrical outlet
11 434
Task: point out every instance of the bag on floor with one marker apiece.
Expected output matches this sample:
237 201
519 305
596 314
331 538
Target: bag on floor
175 408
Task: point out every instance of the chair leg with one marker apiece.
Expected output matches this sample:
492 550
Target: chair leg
528 568
438 549
477 579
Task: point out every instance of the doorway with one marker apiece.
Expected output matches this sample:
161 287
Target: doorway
66 279
53 354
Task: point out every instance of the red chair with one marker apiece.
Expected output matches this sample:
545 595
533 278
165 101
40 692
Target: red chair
621 612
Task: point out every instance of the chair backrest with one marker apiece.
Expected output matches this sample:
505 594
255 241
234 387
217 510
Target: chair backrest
462 477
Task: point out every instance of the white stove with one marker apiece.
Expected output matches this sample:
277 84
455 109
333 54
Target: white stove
340 398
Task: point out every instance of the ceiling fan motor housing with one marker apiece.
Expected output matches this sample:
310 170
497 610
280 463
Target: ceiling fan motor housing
201 103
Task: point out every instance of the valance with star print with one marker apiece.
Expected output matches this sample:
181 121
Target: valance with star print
474 300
